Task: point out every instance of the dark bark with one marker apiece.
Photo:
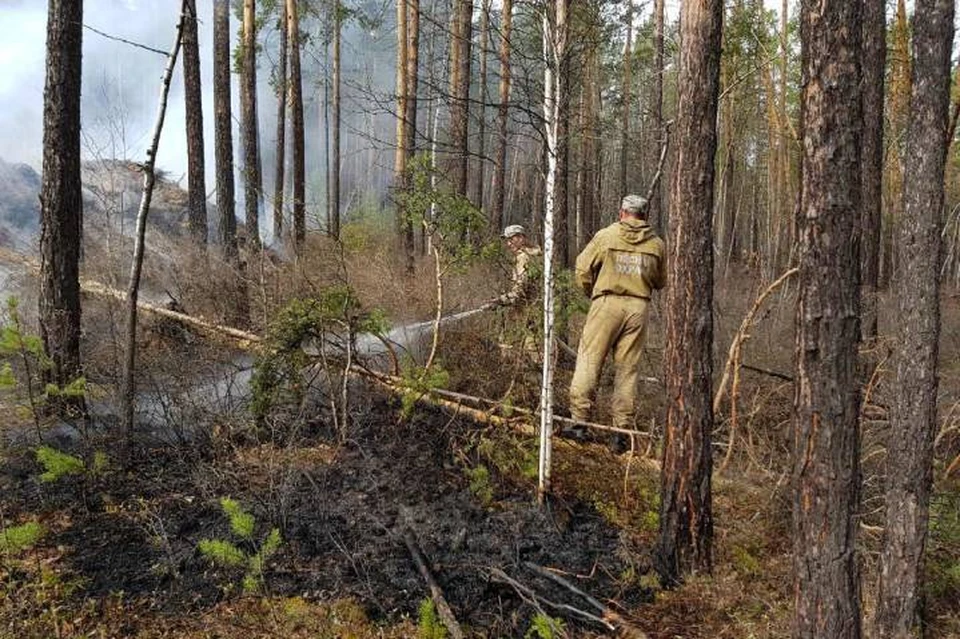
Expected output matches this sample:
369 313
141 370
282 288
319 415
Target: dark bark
279 181
296 128
656 203
561 197
223 126
874 56
503 112
61 226
826 471
460 42
253 184
196 180
482 115
686 517
913 425
625 107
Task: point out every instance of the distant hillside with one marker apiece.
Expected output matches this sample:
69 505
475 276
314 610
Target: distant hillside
111 196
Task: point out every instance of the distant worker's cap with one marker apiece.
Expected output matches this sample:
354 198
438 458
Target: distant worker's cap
634 204
513 230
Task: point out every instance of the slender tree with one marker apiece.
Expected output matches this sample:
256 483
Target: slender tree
403 223
656 203
279 181
503 114
223 127
625 107
914 419
686 517
334 175
826 461
296 128
874 56
253 186
61 220
484 44
561 197
196 181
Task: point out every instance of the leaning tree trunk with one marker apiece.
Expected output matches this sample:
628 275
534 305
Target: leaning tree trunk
874 56
128 385
253 185
914 420
503 113
826 463
196 180
296 128
280 178
686 518
61 220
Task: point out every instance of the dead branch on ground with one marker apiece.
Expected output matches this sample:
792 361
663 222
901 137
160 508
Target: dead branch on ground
443 608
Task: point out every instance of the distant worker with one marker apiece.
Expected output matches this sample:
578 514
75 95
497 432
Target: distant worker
523 284
619 270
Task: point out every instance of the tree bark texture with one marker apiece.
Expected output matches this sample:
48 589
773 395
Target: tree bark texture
656 201
625 107
253 185
412 77
914 419
826 464
503 114
223 127
196 180
296 127
874 57
280 178
686 518
61 212
484 41
561 197
460 42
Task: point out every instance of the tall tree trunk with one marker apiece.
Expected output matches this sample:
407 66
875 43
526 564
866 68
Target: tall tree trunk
503 114
223 126
403 222
279 181
826 432
61 219
656 201
587 182
482 116
460 41
686 518
253 186
561 201
196 181
334 176
914 419
897 115
296 117
874 56
625 108
128 382
412 77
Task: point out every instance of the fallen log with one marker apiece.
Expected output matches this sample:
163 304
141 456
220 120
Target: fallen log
436 594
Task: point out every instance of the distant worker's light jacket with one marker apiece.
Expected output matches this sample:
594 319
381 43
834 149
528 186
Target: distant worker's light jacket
625 258
523 283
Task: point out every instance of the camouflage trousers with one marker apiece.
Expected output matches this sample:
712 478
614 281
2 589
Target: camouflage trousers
615 323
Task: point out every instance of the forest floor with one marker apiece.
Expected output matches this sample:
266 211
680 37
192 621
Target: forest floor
119 552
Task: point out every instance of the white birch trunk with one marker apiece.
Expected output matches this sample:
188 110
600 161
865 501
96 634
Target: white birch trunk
551 57
149 177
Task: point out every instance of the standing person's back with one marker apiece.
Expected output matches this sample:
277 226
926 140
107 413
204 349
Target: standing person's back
619 270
